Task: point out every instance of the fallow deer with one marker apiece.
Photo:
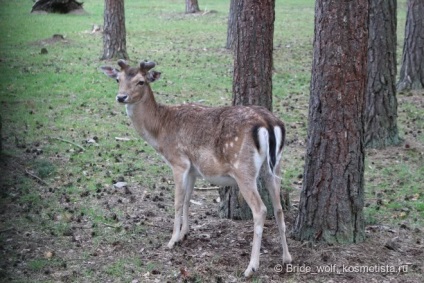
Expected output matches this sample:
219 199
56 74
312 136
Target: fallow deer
228 145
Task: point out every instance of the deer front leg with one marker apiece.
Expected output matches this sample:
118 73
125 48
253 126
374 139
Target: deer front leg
180 178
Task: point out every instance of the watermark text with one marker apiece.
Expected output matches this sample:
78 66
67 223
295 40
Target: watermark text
340 269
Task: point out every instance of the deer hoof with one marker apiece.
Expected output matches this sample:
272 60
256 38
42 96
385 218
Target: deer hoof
249 272
287 258
171 244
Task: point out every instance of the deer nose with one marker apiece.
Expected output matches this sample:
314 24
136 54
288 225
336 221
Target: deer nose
121 98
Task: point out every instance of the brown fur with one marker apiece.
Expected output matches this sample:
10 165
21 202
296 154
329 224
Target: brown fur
226 145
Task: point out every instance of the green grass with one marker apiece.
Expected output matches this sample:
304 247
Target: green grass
46 100
394 193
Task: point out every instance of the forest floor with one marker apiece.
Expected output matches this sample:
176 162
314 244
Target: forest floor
216 250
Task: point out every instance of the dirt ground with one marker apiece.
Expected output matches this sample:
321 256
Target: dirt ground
216 250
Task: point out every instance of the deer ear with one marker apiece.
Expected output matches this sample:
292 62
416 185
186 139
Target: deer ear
153 76
110 72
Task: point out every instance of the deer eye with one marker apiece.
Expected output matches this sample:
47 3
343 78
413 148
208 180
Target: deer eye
117 81
140 83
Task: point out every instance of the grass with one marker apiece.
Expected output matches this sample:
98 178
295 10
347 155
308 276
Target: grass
49 99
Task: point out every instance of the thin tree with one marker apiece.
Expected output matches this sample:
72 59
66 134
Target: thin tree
232 25
332 198
192 6
114 33
381 103
252 82
412 71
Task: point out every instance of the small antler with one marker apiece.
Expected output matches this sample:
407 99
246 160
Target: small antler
123 64
146 66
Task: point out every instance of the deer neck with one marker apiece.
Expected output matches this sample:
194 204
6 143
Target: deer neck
145 117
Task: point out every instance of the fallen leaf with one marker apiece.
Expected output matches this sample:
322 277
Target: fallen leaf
184 273
195 202
48 254
120 185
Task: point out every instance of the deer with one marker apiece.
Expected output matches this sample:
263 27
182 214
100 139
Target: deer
226 145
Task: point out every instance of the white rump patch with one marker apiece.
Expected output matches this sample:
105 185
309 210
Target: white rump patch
263 153
263 140
278 137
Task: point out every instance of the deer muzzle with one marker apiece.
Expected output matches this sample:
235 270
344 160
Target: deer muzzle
121 98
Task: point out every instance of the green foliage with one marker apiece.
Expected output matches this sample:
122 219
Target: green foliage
395 192
44 168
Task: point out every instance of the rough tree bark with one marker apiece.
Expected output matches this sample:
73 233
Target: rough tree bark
114 34
192 6
252 83
252 78
56 6
412 71
381 103
232 25
332 198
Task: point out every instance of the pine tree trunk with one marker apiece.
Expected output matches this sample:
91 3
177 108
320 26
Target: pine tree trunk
381 103
252 84
114 34
232 25
252 78
332 198
192 6
412 70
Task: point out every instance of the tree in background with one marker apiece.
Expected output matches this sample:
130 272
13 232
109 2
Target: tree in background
192 6
232 25
114 34
252 83
252 78
412 71
381 103
332 198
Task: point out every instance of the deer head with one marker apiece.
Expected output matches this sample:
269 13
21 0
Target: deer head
133 82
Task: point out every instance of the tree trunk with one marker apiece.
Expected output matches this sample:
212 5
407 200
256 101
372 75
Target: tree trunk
412 70
332 198
114 34
381 103
233 205
192 6
232 25
252 83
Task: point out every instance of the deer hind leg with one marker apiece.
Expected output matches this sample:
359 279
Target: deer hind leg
272 183
189 186
181 178
250 193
